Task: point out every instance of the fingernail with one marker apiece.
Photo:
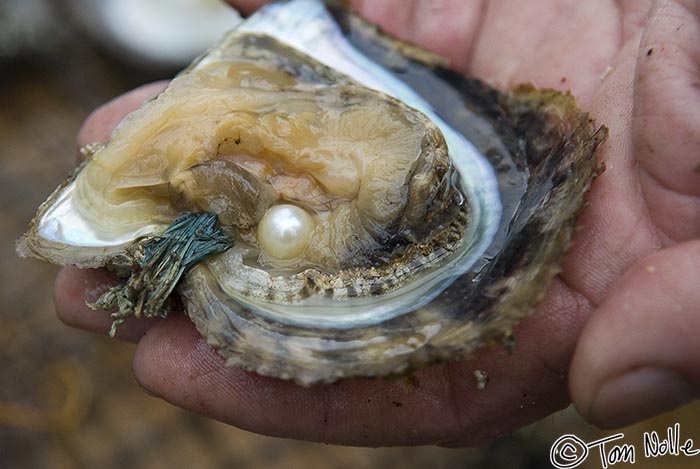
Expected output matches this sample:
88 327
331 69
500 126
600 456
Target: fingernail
638 395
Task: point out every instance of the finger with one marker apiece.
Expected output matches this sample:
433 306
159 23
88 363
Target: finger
444 406
247 7
616 230
666 115
572 38
447 27
101 122
638 355
74 288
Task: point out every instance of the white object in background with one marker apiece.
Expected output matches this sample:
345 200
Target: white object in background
167 33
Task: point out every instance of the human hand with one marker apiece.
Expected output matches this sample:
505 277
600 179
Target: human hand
624 303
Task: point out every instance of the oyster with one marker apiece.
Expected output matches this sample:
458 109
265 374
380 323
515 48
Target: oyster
376 211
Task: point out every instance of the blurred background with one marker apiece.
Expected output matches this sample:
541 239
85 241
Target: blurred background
67 397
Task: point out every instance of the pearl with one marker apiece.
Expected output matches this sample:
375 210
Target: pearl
284 231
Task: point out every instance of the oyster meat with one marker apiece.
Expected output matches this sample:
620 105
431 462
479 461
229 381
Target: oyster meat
376 211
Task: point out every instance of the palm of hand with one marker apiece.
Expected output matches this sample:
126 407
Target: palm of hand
646 199
634 66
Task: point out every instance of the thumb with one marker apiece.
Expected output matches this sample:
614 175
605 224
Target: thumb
639 355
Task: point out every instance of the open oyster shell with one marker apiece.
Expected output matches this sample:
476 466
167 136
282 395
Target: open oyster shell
434 209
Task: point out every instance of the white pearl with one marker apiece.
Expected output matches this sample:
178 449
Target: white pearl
284 231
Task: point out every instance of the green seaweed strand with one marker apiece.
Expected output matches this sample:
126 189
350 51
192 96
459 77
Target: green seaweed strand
162 260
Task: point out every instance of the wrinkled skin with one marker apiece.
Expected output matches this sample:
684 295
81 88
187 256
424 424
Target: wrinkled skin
617 331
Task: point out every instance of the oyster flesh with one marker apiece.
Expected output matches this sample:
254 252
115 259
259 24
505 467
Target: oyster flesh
337 203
